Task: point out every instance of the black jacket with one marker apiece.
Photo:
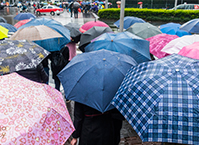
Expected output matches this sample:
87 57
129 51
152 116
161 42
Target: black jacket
95 128
35 74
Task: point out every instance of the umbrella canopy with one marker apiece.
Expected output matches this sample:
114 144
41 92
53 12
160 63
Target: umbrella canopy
158 42
33 33
93 78
24 16
173 29
34 113
74 31
191 51
125 43
11 28
177 44
76 5
191 26
118 2
90 24
22 22
3 32
144 30
128 21
92 33
2 20
58 43
20 55
139 3
160 100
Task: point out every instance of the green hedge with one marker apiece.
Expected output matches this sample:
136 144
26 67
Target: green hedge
151 14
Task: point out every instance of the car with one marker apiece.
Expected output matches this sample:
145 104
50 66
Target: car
50 9
187 7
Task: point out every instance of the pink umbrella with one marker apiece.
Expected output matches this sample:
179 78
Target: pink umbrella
22 22
32 113
158 42
191 51
91 24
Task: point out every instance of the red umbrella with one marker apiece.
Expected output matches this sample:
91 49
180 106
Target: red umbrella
91 24
139 3
22 22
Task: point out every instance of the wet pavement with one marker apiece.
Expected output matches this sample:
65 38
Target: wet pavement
128 135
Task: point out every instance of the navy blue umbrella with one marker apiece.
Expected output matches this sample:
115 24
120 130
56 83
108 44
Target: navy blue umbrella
93 78
125 43
58 43
128 21
23 16
191 26
11 28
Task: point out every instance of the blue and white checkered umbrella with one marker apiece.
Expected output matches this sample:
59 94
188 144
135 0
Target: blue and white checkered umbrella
160 99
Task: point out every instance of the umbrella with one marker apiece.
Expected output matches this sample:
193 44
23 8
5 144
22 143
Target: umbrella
33 113
3 32
22 22
118 2
139 3
76 5
90 24
144 30
20 55
74 31
177 44
93 78
11 28
160 100
191 26
191 51
128 21
55 25
125 43
33 33
173 29
158 42
92 33
2 20
24 16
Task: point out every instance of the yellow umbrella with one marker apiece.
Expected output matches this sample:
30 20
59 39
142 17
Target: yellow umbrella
33 33
3 32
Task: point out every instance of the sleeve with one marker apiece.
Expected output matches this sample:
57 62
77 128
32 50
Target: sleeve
42 73
78 119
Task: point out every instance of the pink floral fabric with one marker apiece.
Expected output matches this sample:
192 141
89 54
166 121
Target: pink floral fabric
158 42
32 113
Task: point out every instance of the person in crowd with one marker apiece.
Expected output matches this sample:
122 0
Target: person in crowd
72 48
59 60
71 10
75 12
35 74
95 128
95 8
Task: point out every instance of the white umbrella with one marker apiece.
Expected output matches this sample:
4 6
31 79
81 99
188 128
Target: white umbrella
177 44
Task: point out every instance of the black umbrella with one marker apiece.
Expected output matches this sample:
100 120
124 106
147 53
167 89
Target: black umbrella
75 34
91 34
2 20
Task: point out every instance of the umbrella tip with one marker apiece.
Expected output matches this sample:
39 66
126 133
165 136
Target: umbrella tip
104 58
112 40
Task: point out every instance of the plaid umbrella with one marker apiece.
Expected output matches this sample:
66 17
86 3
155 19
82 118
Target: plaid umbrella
160 100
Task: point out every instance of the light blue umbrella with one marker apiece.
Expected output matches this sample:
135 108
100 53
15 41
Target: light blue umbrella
128 21
93 78
125 43
58 43
173 29
160 100
191 26
11 28
23 16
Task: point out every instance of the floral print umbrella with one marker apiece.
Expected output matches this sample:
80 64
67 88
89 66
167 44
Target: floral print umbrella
18 55
32 113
